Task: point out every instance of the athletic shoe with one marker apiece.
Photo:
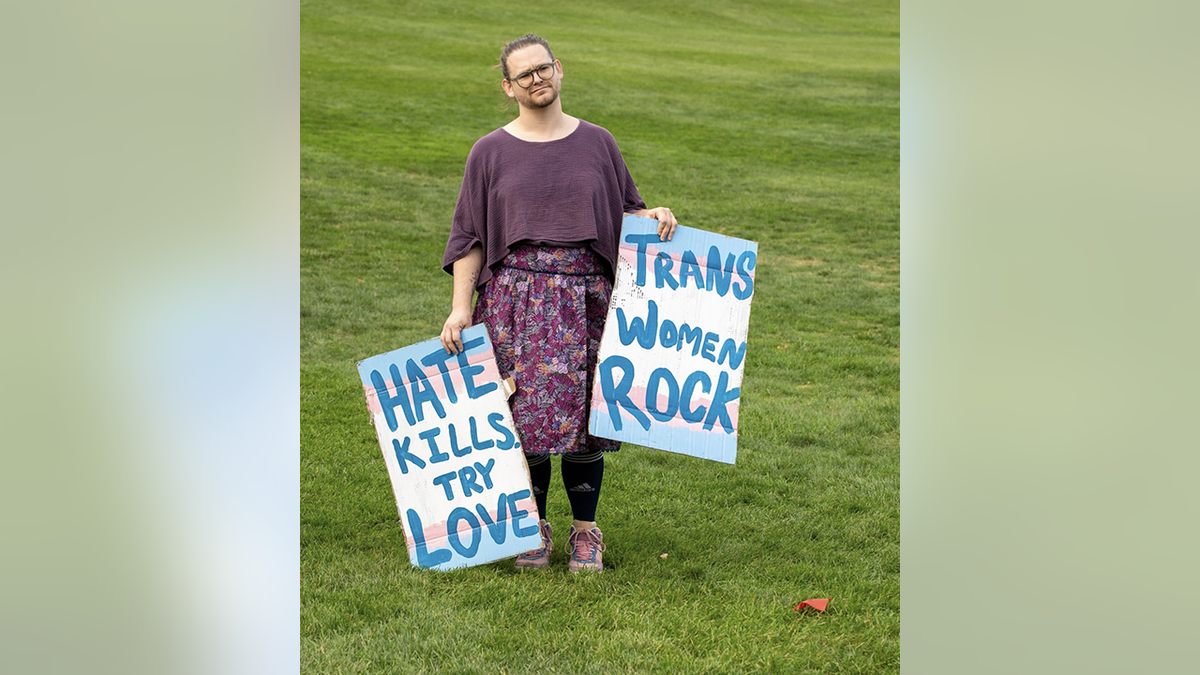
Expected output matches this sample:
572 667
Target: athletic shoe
586 547
539 557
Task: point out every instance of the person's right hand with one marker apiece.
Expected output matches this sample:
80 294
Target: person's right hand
452 330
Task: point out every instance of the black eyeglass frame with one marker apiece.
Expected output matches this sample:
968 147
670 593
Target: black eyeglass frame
530 73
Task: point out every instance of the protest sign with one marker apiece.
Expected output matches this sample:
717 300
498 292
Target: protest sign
454 458
669 372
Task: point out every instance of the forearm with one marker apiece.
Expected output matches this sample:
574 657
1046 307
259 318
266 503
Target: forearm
466 275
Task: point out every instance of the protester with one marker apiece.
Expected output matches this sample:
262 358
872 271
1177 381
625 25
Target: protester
536 232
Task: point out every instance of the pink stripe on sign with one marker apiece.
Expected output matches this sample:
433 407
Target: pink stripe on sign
479 357
437 382
490 373
437 531
630 254
373 401
637 395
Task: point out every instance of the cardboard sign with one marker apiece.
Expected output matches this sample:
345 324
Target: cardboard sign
669 373
452 452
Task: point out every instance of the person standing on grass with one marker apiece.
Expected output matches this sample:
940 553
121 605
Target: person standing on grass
536 232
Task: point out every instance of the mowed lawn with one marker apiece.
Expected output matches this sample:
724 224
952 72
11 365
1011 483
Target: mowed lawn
771 121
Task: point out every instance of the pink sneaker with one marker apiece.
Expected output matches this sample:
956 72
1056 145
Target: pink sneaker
586 547
539 557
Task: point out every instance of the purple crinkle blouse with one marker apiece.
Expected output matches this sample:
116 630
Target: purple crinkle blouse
569 192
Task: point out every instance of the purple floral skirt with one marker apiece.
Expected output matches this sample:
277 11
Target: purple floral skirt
545 308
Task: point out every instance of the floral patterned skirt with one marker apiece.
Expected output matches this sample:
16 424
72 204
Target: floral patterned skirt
545 308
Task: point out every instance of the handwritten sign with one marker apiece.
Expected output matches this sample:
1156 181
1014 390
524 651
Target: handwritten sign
448 439
669 372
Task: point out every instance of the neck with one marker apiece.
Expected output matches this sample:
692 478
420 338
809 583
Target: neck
547 123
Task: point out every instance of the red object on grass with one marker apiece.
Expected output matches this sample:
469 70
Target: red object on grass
817 604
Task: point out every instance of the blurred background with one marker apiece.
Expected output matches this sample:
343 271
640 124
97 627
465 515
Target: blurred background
150 426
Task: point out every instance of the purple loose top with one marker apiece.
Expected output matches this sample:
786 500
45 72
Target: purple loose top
573 191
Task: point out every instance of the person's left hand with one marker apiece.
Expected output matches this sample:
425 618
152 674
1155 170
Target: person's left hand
666 221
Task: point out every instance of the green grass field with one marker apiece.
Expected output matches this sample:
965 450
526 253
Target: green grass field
771 121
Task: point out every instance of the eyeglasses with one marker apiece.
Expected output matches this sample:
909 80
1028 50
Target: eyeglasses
525 80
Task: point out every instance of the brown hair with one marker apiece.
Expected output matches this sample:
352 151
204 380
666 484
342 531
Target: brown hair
520 43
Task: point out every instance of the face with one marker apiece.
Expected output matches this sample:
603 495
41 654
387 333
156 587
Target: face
541 93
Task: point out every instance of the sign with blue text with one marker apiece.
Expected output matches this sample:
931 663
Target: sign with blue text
452 452
669 372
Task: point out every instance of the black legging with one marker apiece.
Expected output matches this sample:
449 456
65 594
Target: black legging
582 474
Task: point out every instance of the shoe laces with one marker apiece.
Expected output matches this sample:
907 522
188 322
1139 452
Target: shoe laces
535 553
544 550
585 544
